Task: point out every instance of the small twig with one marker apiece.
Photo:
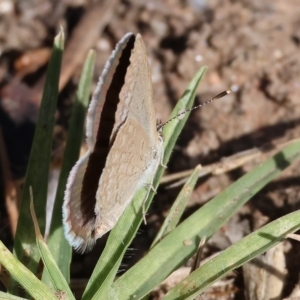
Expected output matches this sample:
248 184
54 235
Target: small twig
294 236
83 38
197 261
227 164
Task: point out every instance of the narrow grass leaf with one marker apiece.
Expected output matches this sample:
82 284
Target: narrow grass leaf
58 245
25 247
58 280
5 296
248 248
180 244
178 207
123 233
24 277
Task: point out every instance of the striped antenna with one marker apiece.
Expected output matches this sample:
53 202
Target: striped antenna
221 95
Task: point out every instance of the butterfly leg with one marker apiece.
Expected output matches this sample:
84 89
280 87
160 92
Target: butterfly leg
161 160
162 153
150 188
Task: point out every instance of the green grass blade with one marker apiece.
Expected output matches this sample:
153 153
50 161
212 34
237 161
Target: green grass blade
24 277
126 228
5 296
183 241
249 247
58 245
58 280
178 207
25 247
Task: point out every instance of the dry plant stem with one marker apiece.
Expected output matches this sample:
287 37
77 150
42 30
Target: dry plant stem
197 261
82 40
294 236
31 61
227 164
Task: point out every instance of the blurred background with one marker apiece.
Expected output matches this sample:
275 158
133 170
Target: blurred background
250 47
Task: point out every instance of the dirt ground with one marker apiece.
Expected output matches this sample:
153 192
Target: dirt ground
251 47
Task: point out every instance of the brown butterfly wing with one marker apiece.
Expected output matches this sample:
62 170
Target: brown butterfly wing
80 195
136 149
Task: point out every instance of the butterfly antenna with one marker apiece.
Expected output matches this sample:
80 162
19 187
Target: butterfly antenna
221 95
